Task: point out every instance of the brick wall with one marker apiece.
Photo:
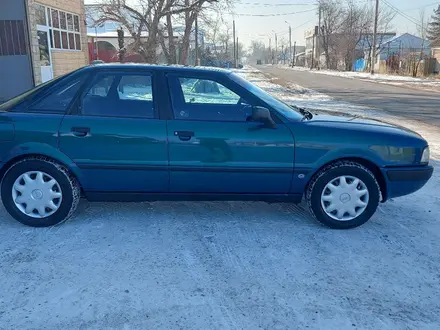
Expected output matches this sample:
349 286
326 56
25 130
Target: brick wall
63 61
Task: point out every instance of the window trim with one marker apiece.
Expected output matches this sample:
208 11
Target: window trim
76 107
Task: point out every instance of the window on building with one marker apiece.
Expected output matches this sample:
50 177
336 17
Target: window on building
63 24
55 18
64 27
40 14
49 20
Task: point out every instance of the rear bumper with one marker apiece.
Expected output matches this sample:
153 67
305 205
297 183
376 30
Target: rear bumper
404 181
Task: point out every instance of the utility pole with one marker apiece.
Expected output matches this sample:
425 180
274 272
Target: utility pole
196 33
233 38
236 55
294 53
290 45
318 40
373 51
270 50
313 51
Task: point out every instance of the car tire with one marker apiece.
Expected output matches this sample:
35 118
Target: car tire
37 181
333 192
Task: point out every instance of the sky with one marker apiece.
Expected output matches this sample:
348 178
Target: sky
302 15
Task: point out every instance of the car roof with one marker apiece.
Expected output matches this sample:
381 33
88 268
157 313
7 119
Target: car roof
168 68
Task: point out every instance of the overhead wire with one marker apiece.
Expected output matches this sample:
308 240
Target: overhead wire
401 13
277 4
277 14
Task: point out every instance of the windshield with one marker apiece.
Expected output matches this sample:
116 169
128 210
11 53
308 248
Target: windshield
280 106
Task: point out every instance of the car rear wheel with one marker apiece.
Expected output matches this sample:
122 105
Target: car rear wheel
39 192
343 195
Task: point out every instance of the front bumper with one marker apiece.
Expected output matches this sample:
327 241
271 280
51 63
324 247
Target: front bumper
406 180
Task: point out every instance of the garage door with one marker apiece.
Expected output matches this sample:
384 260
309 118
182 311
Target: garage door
15 62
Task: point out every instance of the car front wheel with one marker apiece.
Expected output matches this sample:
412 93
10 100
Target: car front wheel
39 192
343 195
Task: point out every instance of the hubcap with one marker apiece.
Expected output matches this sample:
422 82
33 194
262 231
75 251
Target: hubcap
345 198
37 194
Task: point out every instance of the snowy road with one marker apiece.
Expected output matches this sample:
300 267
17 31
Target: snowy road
222 265
408 103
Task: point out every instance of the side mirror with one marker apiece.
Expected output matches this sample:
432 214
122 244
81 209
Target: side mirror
260 114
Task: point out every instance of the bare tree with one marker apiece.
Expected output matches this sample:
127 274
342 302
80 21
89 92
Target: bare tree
417 52
384 25
352 29
143 20
259 51
225 38
332 18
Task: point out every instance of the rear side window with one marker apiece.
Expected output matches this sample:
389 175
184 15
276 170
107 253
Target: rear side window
128 96
101 87
135 88
20 102
59 99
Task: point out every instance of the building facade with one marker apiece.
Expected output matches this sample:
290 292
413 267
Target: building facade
40 40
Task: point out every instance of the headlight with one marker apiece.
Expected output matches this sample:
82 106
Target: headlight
425 156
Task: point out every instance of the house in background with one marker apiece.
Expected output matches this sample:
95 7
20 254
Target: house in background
435 53
399 49
40 39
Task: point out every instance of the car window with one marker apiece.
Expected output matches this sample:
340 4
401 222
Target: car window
206 92
135 88
119 96
59 99
101 87
208 100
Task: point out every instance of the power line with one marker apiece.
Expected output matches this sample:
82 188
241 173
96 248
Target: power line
276 4
277 14
401 13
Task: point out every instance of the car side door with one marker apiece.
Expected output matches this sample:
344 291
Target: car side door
115 136
214 147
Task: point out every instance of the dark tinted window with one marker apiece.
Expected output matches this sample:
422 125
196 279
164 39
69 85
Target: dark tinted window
59 99
120 96
22 101
205 99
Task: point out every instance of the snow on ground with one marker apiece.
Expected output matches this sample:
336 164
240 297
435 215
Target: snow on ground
224 265
429 84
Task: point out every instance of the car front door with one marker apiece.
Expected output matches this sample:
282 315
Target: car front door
214 148
116 137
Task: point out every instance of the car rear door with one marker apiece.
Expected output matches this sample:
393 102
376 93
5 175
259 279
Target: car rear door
115 136
213 148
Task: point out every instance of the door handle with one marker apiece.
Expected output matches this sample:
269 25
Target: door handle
80 131
184 135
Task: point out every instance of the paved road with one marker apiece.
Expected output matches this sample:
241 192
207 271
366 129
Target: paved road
399 101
